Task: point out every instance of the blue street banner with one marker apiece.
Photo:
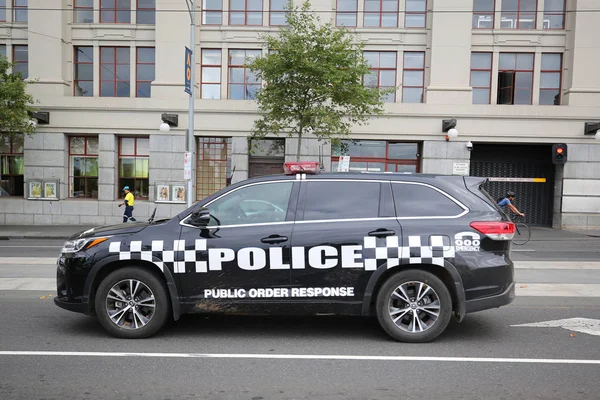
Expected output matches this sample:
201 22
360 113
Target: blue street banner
188 71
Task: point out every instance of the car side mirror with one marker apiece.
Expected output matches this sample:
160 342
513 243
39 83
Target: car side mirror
200 217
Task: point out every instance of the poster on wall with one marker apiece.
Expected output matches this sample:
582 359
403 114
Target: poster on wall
50 190
170 192
35 189
162 193
178 193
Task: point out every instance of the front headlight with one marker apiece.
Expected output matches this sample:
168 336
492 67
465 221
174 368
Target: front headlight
73 246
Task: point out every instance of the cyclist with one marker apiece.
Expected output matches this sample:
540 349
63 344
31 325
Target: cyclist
508 201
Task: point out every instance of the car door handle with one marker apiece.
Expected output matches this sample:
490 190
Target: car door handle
274 239
382 233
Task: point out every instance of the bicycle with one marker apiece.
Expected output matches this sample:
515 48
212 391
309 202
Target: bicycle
523 232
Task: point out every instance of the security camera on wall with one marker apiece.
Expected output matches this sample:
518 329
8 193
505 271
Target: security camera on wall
469 145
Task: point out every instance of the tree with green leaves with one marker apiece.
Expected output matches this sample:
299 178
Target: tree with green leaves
16 105
314 81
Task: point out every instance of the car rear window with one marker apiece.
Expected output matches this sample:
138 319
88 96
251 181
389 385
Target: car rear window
413 200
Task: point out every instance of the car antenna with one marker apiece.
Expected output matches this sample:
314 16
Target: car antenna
152 216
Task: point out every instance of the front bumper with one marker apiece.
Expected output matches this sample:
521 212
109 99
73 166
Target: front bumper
485 303
80 307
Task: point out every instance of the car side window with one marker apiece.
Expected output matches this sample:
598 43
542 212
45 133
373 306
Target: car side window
254 204
341 200
422 201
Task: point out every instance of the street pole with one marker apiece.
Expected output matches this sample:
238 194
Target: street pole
190 146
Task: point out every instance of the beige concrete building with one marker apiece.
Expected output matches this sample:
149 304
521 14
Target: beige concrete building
517 75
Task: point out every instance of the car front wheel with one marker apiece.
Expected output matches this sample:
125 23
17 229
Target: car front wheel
132 303
414 306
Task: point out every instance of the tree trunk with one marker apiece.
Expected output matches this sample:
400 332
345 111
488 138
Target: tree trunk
299 148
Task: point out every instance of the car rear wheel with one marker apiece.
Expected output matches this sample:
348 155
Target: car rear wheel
414 306
132 303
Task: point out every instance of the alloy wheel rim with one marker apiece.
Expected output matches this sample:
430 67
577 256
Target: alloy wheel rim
414 307
130 304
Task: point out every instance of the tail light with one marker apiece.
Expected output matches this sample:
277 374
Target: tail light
495 230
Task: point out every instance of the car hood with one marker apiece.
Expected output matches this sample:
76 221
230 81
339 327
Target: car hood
106 230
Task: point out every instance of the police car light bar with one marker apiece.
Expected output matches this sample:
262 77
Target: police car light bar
301 167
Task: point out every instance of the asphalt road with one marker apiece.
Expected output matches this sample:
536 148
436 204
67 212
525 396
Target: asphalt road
235 357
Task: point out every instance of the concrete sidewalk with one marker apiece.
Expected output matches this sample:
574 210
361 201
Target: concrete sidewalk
65 231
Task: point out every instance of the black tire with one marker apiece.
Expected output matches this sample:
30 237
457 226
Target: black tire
522 234
147 320
409 280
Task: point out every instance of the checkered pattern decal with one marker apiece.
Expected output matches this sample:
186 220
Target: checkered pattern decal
416 252
163 256
180 260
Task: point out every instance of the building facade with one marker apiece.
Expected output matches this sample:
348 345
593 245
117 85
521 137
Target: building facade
517 75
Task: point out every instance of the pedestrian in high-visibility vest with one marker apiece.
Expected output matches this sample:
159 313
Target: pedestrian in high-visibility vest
128 203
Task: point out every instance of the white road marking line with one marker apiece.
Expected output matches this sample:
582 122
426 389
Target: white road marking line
33 247
523 250
557 290
44 284
557 265
301 357
28 260
583 325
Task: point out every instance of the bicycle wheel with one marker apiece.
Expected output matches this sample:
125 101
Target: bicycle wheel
522 235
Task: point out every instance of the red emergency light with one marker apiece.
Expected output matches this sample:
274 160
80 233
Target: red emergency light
301 167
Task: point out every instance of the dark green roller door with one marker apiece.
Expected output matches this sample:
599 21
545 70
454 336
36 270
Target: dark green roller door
519 161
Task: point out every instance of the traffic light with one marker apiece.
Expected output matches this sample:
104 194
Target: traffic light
559 153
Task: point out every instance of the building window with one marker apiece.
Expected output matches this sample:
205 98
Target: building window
84 71
243 83
382 72
114 72
11 166
551 78
518 14
413 82
115 11
415 16
21 60
214 165
483 14
2 10
377 155
515 78
212 12
554 14
277 12
146 12
83 11
245 12
133 165
210 74
346 12
381 13
83 167
144 73
3 50
20 10
481 77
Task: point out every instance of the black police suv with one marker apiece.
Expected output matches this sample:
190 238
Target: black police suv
414 250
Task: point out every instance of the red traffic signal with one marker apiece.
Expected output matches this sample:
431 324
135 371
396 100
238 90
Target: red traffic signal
559 153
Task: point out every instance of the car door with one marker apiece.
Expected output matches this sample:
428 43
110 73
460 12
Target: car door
345 229
242 256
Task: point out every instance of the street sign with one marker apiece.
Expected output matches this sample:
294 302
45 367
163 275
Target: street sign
344 164
188 71
583 325
534 180
187 166
460 168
